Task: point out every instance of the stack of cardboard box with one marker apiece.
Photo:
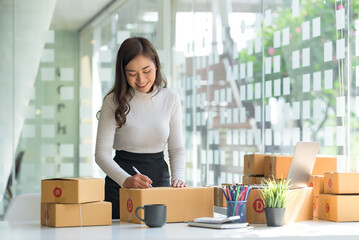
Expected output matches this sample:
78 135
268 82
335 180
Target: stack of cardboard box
253 168
69 202
317 183
340 200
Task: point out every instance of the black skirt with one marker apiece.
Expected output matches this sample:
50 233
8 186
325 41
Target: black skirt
152 165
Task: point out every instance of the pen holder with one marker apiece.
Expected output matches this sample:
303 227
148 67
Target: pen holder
237 208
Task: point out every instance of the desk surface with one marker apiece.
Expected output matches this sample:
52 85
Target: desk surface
123 230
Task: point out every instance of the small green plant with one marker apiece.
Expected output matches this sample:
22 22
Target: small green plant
275 194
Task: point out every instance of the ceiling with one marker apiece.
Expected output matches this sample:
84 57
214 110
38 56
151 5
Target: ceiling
72 15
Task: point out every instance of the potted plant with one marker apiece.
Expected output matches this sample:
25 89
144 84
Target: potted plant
275 198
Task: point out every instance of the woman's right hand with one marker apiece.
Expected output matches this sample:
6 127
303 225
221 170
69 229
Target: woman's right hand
137 181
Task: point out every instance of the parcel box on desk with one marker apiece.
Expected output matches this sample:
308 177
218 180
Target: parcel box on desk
300 207
315 207
277 166
339 208
183 204
72 190
317 183
76 214
341 183
253 164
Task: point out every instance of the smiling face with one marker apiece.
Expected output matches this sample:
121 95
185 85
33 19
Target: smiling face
141 73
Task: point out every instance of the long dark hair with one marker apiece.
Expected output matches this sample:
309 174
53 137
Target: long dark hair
129 49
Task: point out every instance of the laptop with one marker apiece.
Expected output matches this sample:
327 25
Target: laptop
302 164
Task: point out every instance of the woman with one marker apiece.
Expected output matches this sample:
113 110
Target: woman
139 116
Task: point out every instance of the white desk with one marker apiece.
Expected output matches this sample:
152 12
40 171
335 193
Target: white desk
124 230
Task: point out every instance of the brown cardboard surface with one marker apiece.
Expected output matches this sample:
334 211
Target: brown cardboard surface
72 190
278 165
315 207
339 208
254 164
219 198
251 180
317 183
341 183
299 209
183 204
73 215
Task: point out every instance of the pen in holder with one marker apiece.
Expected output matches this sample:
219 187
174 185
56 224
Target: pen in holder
237 208
236 196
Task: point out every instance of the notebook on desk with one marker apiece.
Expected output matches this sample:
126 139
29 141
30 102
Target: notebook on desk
302 164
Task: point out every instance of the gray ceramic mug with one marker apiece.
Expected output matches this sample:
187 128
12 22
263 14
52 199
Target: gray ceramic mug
155 215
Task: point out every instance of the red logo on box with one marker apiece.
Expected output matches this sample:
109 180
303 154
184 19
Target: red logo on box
311 184
327 207
258 205
57 192
249 165
330 183
270 167
129 205
46 214
314 207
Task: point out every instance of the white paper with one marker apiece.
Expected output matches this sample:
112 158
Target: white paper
295 8
340 18
250 47
295 136
328 51
341 48
268 65
48 112
85 150
67 169
122 36
306 57
49 36
249 137
235 115
286 86
258 45
235 137
306 109
86 112
340 109
276 39
285 36
277 138
250 92
47 74
316 27
242 115
258 92
250 69
340 135
317 81
28 131
48 55
66 74
48 131
268 113
257 113
105 74
242 71
242 137
328 79
268 139
276 67
243 92
268 89
328 136
306 82
268 17
105 56
295 59
85 93
277 87
305 30
48 150
229 137
67 93
296 110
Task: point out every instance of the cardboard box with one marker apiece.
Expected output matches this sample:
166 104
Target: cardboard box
299 209
183 204
315 207
317 183
251 180
253 164
341 183
72 190
278 165
219 198
339 208
73 215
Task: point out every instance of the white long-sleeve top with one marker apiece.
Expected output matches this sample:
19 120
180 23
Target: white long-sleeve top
154 120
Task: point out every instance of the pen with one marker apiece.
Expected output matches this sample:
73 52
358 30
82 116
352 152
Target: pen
135 169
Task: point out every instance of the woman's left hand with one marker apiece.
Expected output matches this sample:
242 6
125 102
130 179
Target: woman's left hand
179 183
